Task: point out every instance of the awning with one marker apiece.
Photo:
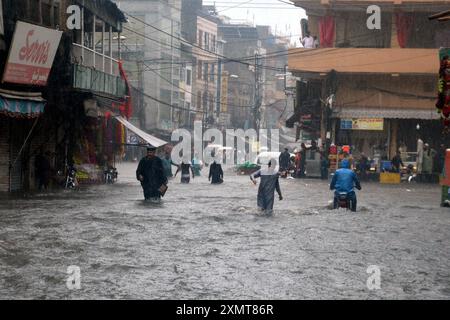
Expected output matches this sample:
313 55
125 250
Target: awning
364 60
21 105
386 113
292 119
144 135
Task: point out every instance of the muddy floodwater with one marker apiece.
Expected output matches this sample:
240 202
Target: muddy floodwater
209 242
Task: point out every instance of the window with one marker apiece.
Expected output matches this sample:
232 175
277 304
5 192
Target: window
35 10
107 40
205 100
199 100
280 84
200 38
205 72
199 69
211 73
99 36
213 44
188 76
50 14
206 41
182 74
88 29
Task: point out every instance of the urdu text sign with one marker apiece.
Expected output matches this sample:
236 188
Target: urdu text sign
362 124
31 54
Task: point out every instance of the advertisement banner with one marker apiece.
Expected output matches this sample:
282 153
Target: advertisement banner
362 124
31 54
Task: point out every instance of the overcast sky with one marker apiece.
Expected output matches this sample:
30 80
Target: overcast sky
282 17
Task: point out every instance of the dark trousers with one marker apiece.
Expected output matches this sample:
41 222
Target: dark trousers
302 169
43 180
351 196
150 192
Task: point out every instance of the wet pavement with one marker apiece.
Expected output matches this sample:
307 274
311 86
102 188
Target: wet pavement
209 242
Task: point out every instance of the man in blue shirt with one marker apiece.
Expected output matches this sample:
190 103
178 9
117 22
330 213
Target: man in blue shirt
344 180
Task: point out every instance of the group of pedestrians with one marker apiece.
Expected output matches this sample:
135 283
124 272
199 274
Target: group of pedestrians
153 173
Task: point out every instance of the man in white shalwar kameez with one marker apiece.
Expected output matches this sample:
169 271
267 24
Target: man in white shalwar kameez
269 183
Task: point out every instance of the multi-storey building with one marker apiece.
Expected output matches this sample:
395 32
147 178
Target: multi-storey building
242 49
200 28
62 106
372 81
154 30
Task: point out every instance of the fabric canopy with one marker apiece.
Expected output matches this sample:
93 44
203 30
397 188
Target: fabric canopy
155 142
15 104
404 24
326 31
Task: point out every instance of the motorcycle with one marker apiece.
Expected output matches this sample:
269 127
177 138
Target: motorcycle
110 175
342 200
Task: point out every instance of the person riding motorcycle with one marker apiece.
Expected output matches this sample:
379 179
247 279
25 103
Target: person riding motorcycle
344 180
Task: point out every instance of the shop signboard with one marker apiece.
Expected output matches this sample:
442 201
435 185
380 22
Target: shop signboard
31 54
362 124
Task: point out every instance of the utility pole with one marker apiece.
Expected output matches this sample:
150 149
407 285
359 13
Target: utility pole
171 69
257 98
219 85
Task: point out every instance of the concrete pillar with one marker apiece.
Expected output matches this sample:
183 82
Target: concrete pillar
393 138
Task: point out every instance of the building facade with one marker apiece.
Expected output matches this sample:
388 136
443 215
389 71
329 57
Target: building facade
58 106
154 30
369 86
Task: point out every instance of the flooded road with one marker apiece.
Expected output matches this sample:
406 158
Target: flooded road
208 242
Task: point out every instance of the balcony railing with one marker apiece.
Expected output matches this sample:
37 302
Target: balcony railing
88 78
90 58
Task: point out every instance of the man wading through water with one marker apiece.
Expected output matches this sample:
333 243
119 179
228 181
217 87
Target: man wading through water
269 183
184 167
150 173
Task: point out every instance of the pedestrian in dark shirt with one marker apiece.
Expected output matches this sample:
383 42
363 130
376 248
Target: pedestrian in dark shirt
150 173
397 163
185 167
284 160
42 169
215 173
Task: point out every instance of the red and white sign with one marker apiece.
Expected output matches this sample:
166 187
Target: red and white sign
31 54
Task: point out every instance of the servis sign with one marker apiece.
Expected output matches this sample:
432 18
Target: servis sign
31 54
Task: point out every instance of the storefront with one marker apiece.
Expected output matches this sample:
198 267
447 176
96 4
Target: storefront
20 113
97 142
380 133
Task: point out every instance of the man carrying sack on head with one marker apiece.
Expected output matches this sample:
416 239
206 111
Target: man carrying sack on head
150 173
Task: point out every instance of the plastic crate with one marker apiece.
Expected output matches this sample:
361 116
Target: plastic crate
386 165
389 177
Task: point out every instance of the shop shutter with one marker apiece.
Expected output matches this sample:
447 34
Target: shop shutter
4 154
17 138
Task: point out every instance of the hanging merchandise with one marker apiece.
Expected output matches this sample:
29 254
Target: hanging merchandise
443 100
99 137
120 139
108 135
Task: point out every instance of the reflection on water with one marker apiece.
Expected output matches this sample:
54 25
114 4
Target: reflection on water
207 241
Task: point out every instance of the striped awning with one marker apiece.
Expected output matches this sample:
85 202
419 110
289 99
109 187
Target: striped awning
15 104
